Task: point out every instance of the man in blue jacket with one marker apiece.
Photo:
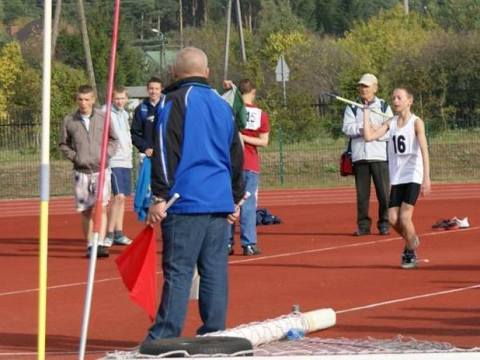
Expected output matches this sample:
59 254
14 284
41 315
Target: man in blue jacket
197 154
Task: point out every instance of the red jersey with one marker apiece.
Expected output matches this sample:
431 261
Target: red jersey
257 122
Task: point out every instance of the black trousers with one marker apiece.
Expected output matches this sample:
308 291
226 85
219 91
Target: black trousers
364 172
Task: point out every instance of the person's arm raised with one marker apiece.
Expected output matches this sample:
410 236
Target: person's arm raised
371 132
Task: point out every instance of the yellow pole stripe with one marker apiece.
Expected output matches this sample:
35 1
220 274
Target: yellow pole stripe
42 293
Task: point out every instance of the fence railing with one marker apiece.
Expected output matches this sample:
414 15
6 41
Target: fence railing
454 154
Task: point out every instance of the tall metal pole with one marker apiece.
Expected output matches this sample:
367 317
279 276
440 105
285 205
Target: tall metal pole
86 44
405 6
240 29
227 39
44 179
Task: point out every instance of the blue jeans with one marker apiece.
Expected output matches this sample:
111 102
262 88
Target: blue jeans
189 240
248 212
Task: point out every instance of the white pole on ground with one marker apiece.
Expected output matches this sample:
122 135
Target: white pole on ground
44 178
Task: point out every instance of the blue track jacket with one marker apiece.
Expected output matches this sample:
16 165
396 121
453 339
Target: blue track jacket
197 150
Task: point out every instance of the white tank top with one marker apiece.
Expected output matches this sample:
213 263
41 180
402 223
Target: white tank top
405 160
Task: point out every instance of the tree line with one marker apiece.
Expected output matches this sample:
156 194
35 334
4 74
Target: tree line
327 44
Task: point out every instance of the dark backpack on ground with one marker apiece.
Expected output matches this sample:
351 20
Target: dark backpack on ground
265 217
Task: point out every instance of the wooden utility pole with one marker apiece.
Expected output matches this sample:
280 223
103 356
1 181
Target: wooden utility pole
405 6
240 29
56 25
86 44
227 39
180 10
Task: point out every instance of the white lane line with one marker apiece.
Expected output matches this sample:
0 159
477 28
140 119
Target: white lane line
254 258
416 297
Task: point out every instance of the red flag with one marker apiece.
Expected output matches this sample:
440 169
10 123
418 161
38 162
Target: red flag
137 265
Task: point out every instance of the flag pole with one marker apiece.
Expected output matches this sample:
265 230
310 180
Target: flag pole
97 219
44 179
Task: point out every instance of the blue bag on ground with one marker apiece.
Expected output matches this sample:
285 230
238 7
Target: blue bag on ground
265 217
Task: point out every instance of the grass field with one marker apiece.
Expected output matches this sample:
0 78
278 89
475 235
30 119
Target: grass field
455 157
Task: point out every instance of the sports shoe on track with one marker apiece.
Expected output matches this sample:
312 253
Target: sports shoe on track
409 259
362 232
107 241
122 240
445 224
230 249
102 251
383 230
462 223
251 250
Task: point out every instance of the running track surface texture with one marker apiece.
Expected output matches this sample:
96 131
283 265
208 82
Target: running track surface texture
311 259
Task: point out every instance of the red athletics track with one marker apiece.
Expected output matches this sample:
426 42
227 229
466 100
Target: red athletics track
311 259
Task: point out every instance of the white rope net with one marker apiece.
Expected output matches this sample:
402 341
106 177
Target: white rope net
318 346
271 338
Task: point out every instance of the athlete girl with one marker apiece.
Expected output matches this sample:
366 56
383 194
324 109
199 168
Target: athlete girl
409 167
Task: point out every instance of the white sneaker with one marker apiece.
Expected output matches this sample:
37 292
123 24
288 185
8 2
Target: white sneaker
123 240
107 241
462 223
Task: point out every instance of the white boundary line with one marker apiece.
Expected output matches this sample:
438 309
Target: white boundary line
253 259
422 296
436 356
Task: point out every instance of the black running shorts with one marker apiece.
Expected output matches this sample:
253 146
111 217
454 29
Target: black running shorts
404 193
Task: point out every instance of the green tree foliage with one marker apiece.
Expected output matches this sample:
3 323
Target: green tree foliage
277 16
375 43
13 9
130 66
445 84
457 15
338 16
11 66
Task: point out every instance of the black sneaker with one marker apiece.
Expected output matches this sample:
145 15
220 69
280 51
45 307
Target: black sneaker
230 249
383 230
102 251
361 232
409 259
251 250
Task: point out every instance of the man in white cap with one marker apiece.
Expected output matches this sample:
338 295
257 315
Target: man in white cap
369 158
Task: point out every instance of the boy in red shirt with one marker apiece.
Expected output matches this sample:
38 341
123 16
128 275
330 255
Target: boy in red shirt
255 134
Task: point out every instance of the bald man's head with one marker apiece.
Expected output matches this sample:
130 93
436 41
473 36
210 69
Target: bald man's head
190 61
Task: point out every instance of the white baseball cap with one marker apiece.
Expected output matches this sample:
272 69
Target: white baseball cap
368 80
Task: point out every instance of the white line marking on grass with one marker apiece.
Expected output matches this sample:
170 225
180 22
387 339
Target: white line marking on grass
422 296
253 258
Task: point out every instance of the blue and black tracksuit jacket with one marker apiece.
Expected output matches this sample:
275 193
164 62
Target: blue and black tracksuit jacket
197 150
142 125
